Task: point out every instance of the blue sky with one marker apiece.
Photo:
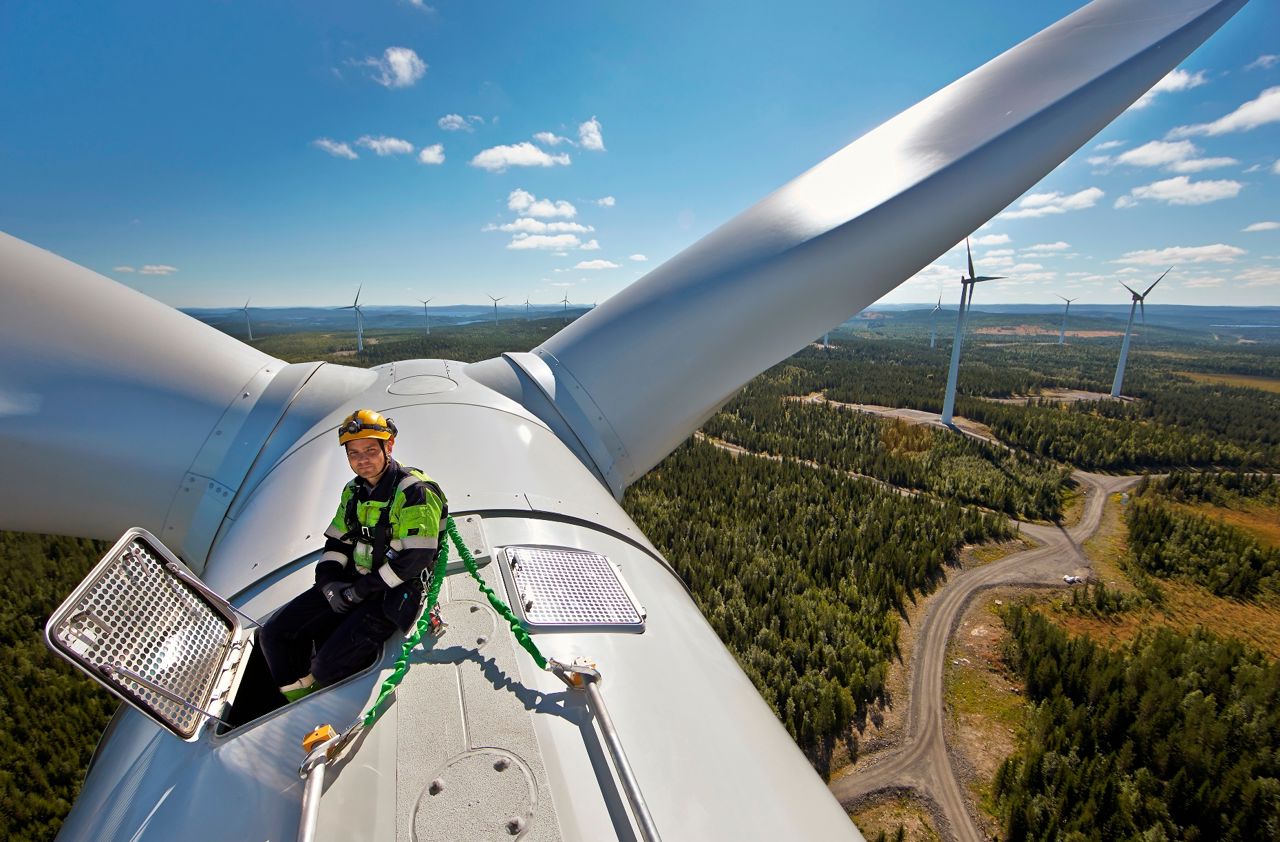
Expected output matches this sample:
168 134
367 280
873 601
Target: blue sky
206 153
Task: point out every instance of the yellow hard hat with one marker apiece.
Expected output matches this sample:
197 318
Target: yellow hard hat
366 424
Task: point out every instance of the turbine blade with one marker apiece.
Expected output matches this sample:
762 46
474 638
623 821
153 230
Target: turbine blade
1158 280
1126 286
75 381
775 276
970 253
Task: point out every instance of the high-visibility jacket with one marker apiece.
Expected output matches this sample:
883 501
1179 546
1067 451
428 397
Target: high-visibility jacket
386 535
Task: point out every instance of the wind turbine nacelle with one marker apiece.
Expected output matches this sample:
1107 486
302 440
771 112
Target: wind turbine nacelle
701 741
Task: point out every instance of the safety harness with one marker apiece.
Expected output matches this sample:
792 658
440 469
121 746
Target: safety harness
379 535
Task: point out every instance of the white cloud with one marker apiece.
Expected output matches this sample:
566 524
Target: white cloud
498 158
1263 226
399 67
1058 246
1265 62
638 258
543 241
1256 112
157 269
526 204
590 245
122 269
589 135
1176 80
421 6
596 264
458 123
998 262
1177 156
382 146
1047 204
1023 268
1000 253
1128 270
550 139
1158 153
607 202
1110 144
1261 276
1181 190
1201 164
337 150
1275 168
1216 253
1197 283
990 240
433 154
529 225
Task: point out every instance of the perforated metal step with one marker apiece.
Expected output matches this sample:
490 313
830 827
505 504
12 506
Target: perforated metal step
562 589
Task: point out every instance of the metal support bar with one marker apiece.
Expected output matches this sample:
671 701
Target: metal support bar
311 803
648 830
322 746
168 694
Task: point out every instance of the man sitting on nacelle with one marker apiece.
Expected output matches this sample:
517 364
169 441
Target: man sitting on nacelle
386 534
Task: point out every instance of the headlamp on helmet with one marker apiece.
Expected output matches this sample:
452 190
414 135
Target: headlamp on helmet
366 424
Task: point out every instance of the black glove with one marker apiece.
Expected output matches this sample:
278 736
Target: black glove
341 596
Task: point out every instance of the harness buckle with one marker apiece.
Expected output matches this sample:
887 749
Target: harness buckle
366 532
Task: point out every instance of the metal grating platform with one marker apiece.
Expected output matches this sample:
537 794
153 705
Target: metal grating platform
570 590
140 611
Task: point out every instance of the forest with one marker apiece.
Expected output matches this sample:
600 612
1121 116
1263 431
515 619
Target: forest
802 573
50 715
1173 738
1166 541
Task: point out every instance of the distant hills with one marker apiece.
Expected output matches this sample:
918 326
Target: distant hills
1256 322
297 319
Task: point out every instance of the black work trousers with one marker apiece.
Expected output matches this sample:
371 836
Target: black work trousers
308 637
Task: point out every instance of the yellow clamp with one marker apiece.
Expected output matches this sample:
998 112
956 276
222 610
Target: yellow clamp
318 736
577 674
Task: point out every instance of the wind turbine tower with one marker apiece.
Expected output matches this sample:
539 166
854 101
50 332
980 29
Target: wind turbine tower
526 308
495 309
966 296
247 325
425 314
1139 300
933 333
1062 334
355 306
565 318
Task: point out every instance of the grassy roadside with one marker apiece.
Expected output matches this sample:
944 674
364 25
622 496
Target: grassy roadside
984 703
900 812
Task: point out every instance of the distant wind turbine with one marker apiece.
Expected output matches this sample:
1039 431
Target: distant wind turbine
565 318
425 314
245 308
526 308
495 309
1139 300
1062 334
355 306
966 297
933 333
